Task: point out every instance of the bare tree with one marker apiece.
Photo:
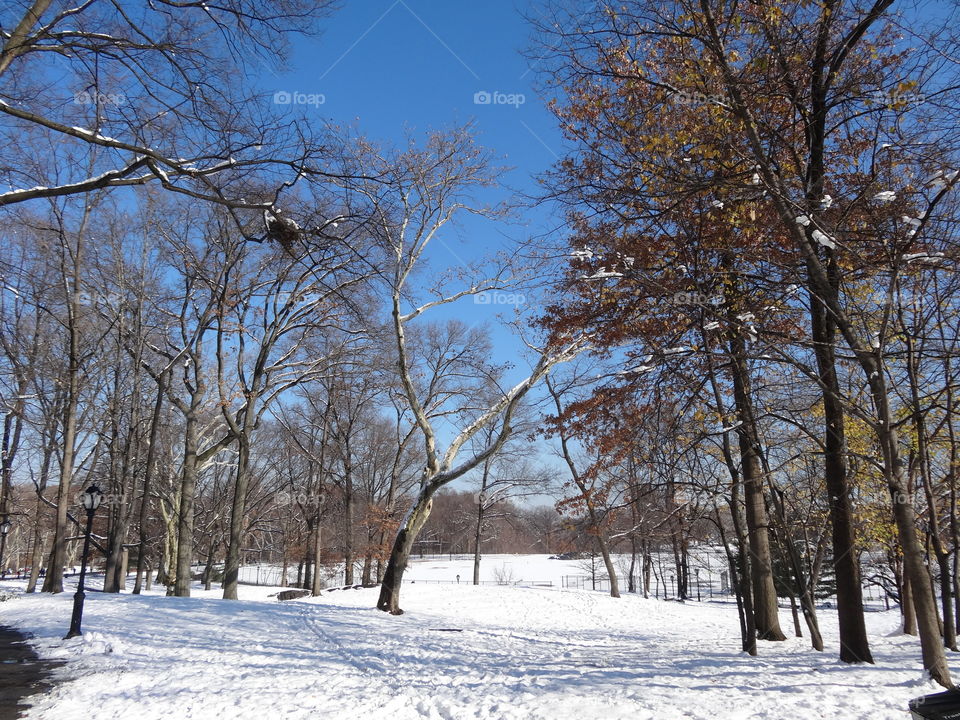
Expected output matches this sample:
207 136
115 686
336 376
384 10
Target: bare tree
160 89
419 192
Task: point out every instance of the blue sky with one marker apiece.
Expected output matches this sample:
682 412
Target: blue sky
394 66
391 66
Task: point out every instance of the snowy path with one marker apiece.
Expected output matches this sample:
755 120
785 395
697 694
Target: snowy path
521 653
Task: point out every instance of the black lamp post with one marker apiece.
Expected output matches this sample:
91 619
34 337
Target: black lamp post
4 529
92 497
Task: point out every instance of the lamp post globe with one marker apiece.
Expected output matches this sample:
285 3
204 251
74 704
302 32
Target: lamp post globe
91 499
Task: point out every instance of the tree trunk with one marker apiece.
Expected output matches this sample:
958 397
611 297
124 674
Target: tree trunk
940 552
596 520
309 577
315 588
366 574
477 536
854 643
53 583
36 558
796 617
761 566
208 568
165 572
416 518
231 572
608 564
348 523
148 485
740 576
952 479
924 603
647 569
188 488
122 483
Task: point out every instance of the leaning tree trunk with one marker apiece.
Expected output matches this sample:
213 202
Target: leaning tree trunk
411 526
954 520
914 569
208 568
593 514
941 553
802 583
608 563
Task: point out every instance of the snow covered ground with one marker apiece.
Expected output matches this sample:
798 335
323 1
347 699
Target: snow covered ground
458 652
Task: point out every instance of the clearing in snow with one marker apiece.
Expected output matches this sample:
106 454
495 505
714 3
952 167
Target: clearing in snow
459 652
